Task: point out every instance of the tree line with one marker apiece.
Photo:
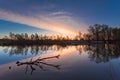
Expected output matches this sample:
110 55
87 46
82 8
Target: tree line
25 36
97 32
103 32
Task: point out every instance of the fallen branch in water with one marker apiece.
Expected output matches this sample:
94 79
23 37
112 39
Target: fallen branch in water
37 63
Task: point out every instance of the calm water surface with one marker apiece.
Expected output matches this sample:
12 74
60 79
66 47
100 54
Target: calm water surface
83 62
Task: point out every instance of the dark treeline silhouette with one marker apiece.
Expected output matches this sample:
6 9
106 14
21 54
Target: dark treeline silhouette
35 39
103 32
96 34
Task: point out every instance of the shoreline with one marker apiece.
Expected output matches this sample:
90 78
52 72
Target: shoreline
56 42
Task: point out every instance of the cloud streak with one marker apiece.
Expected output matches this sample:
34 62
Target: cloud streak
56 21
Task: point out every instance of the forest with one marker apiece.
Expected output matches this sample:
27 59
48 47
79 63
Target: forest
97 33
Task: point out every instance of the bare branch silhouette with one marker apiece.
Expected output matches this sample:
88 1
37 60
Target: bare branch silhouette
38 62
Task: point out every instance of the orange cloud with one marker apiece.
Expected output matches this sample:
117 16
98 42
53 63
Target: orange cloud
61 23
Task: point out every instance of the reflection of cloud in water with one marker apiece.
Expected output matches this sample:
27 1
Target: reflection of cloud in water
64 53
72 59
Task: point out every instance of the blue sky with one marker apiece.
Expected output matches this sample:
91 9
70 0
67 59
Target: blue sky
6 27
62 16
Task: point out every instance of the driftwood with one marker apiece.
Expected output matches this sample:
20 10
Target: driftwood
38 62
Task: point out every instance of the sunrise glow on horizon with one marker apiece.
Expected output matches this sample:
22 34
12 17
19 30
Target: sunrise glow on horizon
59 40
53 17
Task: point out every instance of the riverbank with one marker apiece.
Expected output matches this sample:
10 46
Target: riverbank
54 42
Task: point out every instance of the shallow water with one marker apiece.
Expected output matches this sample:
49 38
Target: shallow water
83 62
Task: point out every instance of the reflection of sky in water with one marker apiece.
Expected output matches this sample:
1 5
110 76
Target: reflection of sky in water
75 64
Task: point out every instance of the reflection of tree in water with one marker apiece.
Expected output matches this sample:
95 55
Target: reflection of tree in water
80 48
100 52
23 50
39 62
16 50
103 52
97 52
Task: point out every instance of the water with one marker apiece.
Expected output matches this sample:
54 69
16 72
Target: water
82 62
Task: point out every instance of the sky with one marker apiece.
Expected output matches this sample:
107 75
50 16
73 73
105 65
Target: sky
56 16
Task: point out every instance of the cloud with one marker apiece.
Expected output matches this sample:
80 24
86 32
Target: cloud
58 13
55 21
